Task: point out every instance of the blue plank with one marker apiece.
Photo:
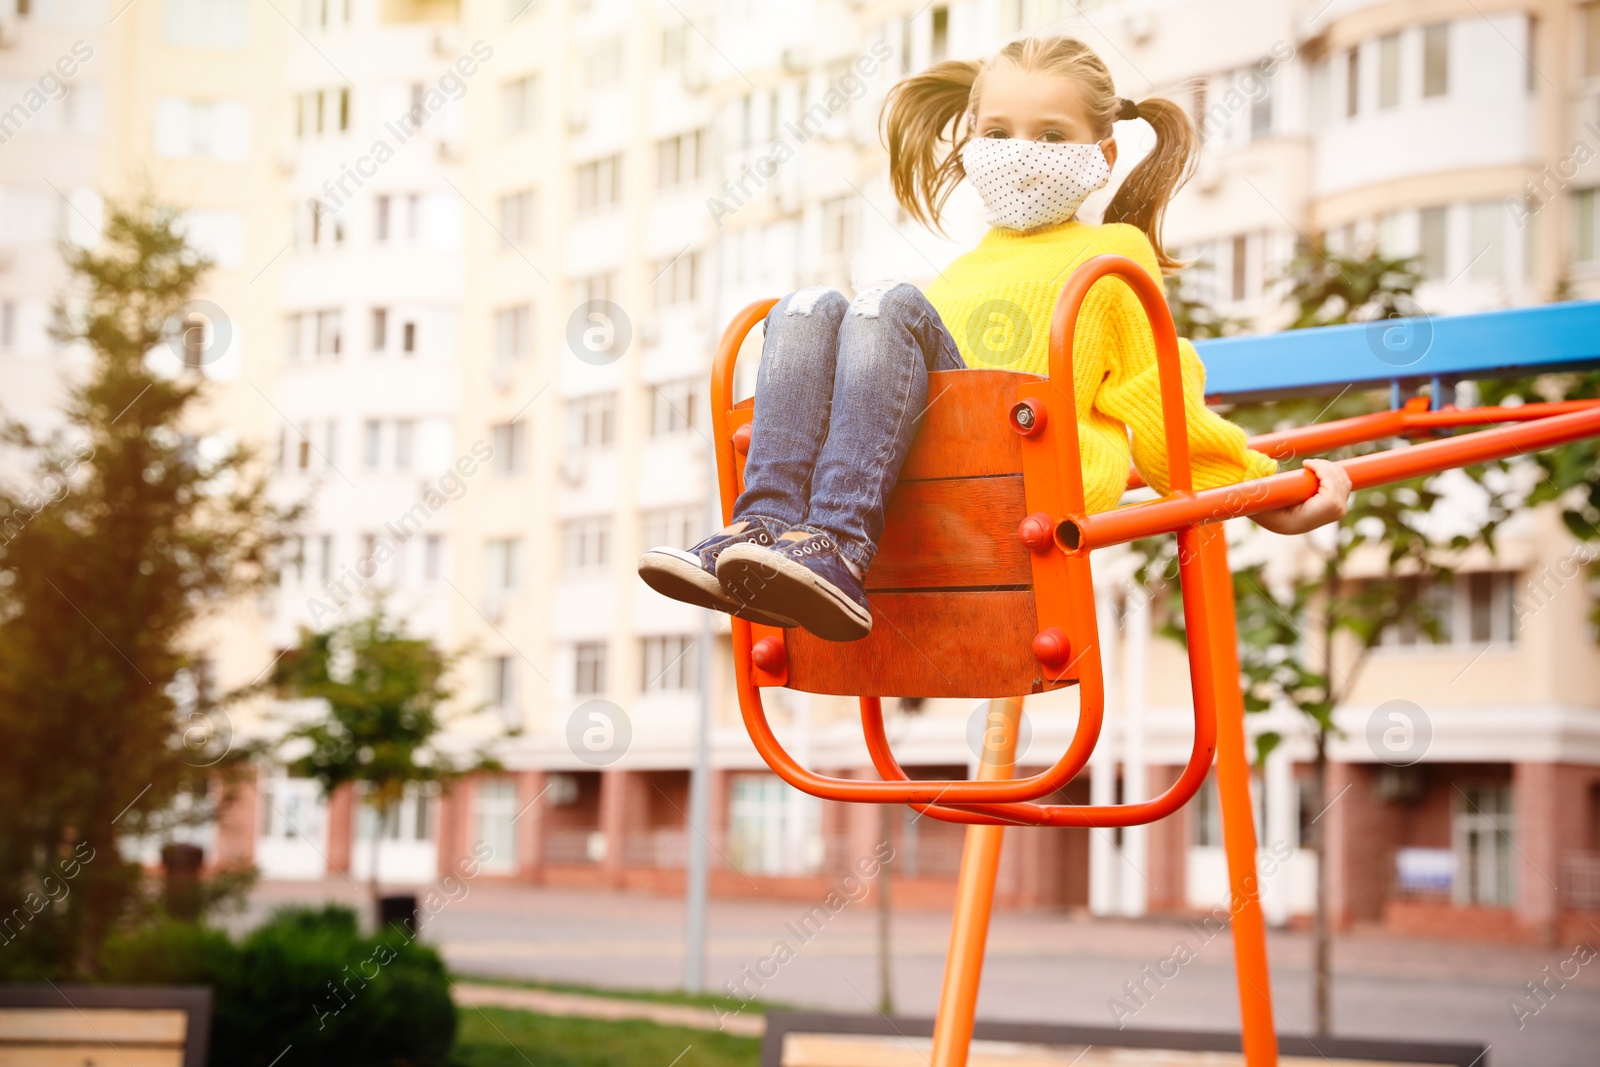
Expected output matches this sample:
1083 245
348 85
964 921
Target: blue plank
1450 348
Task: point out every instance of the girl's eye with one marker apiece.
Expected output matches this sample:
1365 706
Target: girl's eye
1051 137
997 134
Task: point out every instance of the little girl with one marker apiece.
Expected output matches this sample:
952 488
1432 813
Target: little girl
842 383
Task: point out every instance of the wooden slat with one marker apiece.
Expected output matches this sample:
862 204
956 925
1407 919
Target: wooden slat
156 1026
88 1056
862 1050
965 430
963 644
952 533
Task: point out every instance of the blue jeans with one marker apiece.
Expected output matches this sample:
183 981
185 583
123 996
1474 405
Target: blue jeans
840 391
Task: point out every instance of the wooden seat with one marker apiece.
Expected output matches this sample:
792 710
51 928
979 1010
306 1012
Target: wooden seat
140 1026
951 590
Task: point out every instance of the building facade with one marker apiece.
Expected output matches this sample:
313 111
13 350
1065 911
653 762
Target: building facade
502 237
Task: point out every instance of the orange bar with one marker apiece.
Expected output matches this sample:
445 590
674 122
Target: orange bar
1238 821
969 926
1084 533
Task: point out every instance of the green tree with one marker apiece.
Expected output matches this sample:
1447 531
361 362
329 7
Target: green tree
121 534
381 692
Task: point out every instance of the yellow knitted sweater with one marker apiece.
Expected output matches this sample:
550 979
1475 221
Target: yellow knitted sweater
997 302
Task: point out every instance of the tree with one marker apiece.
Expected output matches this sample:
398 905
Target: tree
126 529
1289 631
382 692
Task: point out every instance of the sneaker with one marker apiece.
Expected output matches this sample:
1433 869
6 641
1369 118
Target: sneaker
802 576
691 576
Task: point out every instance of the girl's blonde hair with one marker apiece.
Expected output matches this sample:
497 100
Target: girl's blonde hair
936 108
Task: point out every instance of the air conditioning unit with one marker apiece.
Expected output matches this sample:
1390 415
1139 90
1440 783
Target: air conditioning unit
446 41
452 149
577 118
494 609
794 61
694 77
571 470
560 790
500 374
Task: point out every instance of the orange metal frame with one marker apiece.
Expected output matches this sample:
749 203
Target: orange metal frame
1061 535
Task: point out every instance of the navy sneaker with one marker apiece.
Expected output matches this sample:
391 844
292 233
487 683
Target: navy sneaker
691 576
802 576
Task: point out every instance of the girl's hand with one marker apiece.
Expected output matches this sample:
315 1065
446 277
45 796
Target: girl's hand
1329 504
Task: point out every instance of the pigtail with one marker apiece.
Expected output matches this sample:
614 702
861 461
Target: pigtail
1144 194
920 116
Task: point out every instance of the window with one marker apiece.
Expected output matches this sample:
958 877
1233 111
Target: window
1261 114
433 557
599 183
677 527
1588 243
330 441
1433 242
1240 261
680 159
507 439
1388 71
517 217
1436 59
380 224
1473 609
327 340
677 280
1486 240
408 338
589 668
672 408
668 663
594 288
1482 839
496 813
586 543
518 104
500 685
592 421
199 23
372 449
674 45
303 448
939 49
8 325
405 442
513 332
501 565
325 558
836 225
187 128
380 329
603 64
1352 82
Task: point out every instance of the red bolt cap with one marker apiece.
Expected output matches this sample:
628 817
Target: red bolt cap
1050 647
741 439
768 654
1028 417
1036 532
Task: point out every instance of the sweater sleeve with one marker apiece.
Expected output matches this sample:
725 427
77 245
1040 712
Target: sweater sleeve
1131 389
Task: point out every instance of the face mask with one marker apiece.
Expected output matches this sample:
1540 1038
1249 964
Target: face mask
1029 184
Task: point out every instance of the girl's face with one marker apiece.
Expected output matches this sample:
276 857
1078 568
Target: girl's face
1036 107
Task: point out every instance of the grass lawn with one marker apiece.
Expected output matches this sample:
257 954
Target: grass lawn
654 996
498 1037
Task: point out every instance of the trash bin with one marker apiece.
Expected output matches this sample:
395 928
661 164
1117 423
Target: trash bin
181 865
399 910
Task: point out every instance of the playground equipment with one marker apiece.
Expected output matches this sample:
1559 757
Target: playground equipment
982 585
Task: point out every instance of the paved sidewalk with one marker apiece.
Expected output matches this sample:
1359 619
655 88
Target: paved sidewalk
1041 966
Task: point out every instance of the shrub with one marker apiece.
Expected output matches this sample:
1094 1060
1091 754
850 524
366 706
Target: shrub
306 978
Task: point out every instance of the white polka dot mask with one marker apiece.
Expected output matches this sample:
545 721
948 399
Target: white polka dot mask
1029 184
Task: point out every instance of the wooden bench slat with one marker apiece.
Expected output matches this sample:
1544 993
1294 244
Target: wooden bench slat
118 1025
88 1056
